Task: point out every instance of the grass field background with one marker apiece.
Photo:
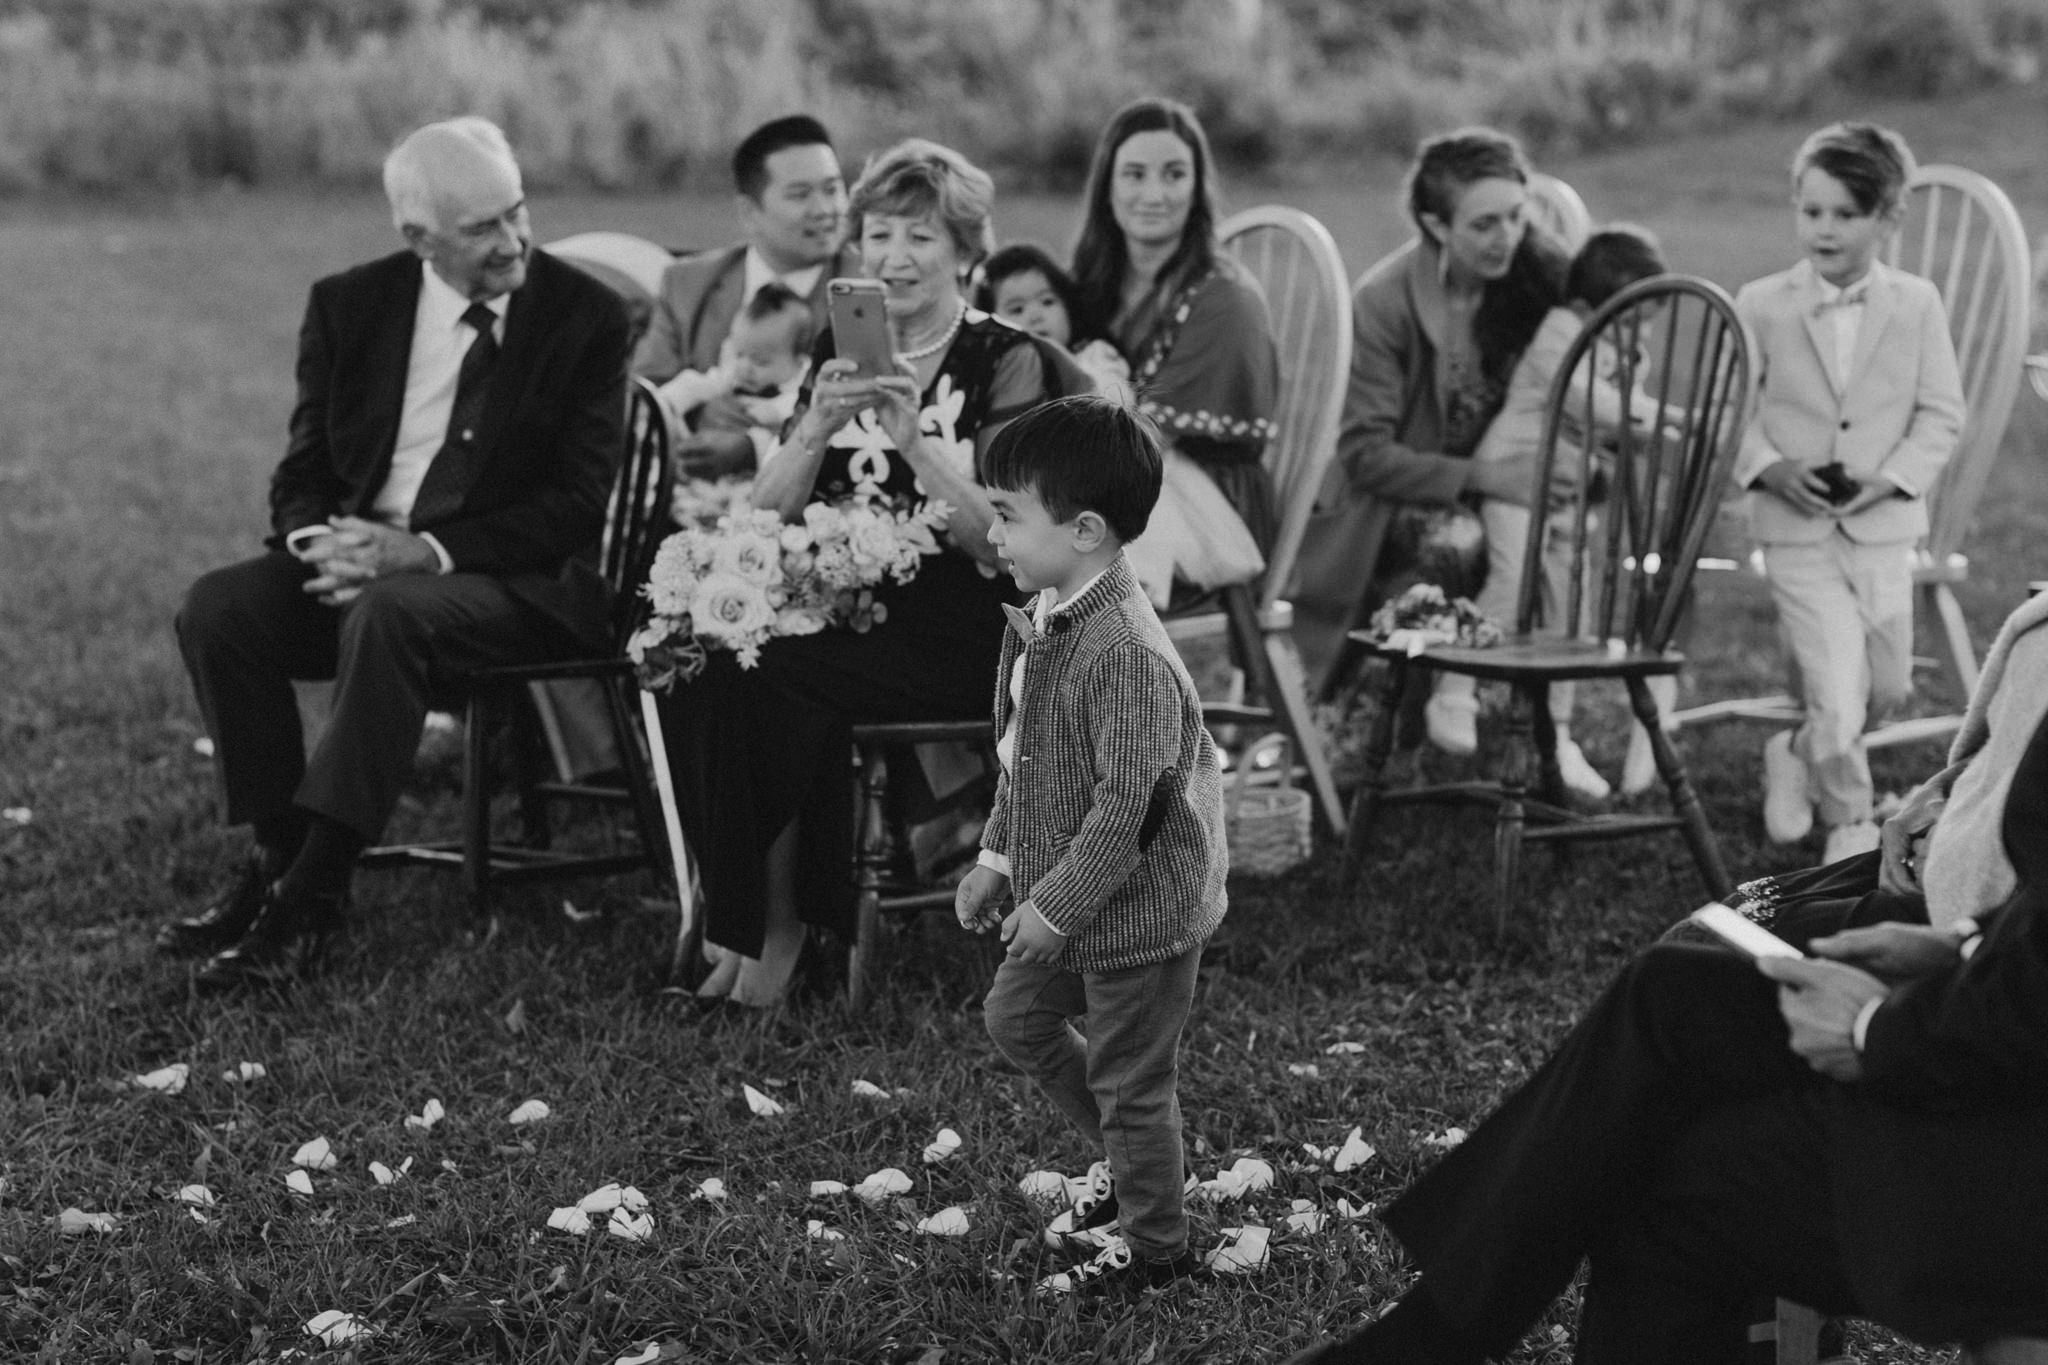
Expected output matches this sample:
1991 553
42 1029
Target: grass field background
147 363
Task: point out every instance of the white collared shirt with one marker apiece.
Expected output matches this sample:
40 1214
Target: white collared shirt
440 339
755 272
1845 318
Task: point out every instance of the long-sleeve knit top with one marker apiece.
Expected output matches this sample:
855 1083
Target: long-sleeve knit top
1110 812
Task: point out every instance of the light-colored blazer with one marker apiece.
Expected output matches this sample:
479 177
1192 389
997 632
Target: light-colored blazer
699 298
1897 417
1111 813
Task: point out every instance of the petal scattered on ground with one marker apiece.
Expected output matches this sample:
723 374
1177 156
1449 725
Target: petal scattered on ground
570 1220
1306 1217
1447 1139
947 1222
882 1185
198 1196
868 1090
317 1155
299 1182
17 815
383 1174
712 1190
941 1147
1043 1187
1350 1210
1355 1152
1308 1069
603 1199
336 1328
822 1188
1346 1049
76 1222
165 1080
1246 1251
1246 1175
429 1115
533 1111
631 1200
817 1229
646 1355
634 1227
203 746
241 1073
404 1220
762 1106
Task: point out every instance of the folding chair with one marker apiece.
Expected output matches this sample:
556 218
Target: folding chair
1665 481
1296 262
633 524
1962 233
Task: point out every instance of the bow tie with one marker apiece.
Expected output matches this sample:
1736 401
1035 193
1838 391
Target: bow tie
1845 299
1021 623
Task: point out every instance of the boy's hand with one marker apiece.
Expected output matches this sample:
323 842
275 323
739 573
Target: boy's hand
1869 493
1805 490
978 901
1030 938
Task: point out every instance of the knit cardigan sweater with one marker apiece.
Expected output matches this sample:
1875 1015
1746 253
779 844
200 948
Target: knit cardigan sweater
1111 815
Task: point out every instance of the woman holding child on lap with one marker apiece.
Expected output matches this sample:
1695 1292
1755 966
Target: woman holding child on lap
760 755
1193 325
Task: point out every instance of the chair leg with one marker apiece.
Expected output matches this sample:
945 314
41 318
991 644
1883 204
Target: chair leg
1511 818
1290 704
1549 781
1958 655
476 806
870 866
1379 746
1684 800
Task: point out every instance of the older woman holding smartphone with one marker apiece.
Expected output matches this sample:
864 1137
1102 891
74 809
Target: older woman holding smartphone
760 756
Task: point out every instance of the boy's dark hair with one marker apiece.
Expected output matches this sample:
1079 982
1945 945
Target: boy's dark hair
750 158
1081 454
1872 163
1020 257
776 297
1611 260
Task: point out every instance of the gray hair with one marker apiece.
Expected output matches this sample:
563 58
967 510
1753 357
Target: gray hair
414 165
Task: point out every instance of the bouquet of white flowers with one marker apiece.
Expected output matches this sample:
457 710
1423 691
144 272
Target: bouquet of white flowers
747 577
1425 616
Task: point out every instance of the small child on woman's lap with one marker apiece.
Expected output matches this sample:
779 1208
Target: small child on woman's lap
1860 407
761 366
1103 860
1022 285
1610 261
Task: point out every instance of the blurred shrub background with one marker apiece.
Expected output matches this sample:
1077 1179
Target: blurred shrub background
104 94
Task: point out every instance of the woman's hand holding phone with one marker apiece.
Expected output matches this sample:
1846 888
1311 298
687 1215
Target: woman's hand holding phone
837 396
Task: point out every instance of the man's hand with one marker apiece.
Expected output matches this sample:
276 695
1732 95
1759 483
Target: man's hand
359 552
1820 1002
1895 952
978 901
1030 938
1904 835
1804 489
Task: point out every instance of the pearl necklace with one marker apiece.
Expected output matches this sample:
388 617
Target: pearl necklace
945 338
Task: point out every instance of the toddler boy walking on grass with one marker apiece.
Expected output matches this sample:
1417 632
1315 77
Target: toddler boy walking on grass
1103 861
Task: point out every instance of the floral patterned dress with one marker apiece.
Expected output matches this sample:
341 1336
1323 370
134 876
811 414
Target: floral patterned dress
751 750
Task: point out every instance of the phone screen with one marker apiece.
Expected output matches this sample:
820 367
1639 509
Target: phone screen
860 329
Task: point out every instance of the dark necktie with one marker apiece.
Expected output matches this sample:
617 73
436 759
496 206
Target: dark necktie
453 467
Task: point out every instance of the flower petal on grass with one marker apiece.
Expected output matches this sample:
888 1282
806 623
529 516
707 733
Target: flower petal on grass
242 1073
1245 1252
947 1222
1447 1139
646 1355
1306 1217
1355 1152
1043 1187
1308 1069
384 1175
603 1199
711 1191
762 1106
533 1111
430 1114
336 1328
1346 1049
17 815
634 1227
317 1155
631 1200
868 1090
404 1220
1348 1209
941 1147
817 1230
76 1222
1246 1175
820 1189
203 746
882 1185
198 1196
571 1220
165 1080
299 1182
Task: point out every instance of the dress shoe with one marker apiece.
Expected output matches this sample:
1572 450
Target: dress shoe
221 923
289 940
1788 805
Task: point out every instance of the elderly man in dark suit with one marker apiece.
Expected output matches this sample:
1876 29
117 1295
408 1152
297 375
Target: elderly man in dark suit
1864 1131
459 422
792 205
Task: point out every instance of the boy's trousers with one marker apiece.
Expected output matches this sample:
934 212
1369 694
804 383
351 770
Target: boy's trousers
1119 1084
1846 612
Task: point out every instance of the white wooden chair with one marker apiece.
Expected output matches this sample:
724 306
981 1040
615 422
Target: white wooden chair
1557 208
1961 232
1295 261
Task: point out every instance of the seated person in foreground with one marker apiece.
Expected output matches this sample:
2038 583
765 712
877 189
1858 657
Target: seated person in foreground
1864 1131
761 369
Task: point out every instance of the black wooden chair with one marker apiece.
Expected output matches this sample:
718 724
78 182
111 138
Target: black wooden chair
634 524
1631 565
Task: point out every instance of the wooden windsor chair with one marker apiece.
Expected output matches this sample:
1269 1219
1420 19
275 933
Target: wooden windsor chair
634 520
1962 233
1296 263
1631 563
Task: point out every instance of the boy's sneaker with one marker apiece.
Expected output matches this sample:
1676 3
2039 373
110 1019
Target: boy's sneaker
1788 802
1116 1267
1092 1221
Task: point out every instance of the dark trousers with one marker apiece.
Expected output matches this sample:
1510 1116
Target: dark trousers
1676 1143
248 630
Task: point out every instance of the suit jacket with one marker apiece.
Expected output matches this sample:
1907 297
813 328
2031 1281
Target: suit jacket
1112 813
1899 413
1940 1168
698 299
553 427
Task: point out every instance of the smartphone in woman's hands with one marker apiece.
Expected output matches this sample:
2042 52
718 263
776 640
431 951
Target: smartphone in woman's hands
860 328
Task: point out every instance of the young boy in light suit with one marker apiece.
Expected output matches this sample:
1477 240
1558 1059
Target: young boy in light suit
1106 841
1860 406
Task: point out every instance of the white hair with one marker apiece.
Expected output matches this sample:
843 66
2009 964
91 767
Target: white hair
415 165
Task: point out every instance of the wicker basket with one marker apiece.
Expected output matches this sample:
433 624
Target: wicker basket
1266 818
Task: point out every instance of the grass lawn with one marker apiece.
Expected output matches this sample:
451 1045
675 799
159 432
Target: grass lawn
148 365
